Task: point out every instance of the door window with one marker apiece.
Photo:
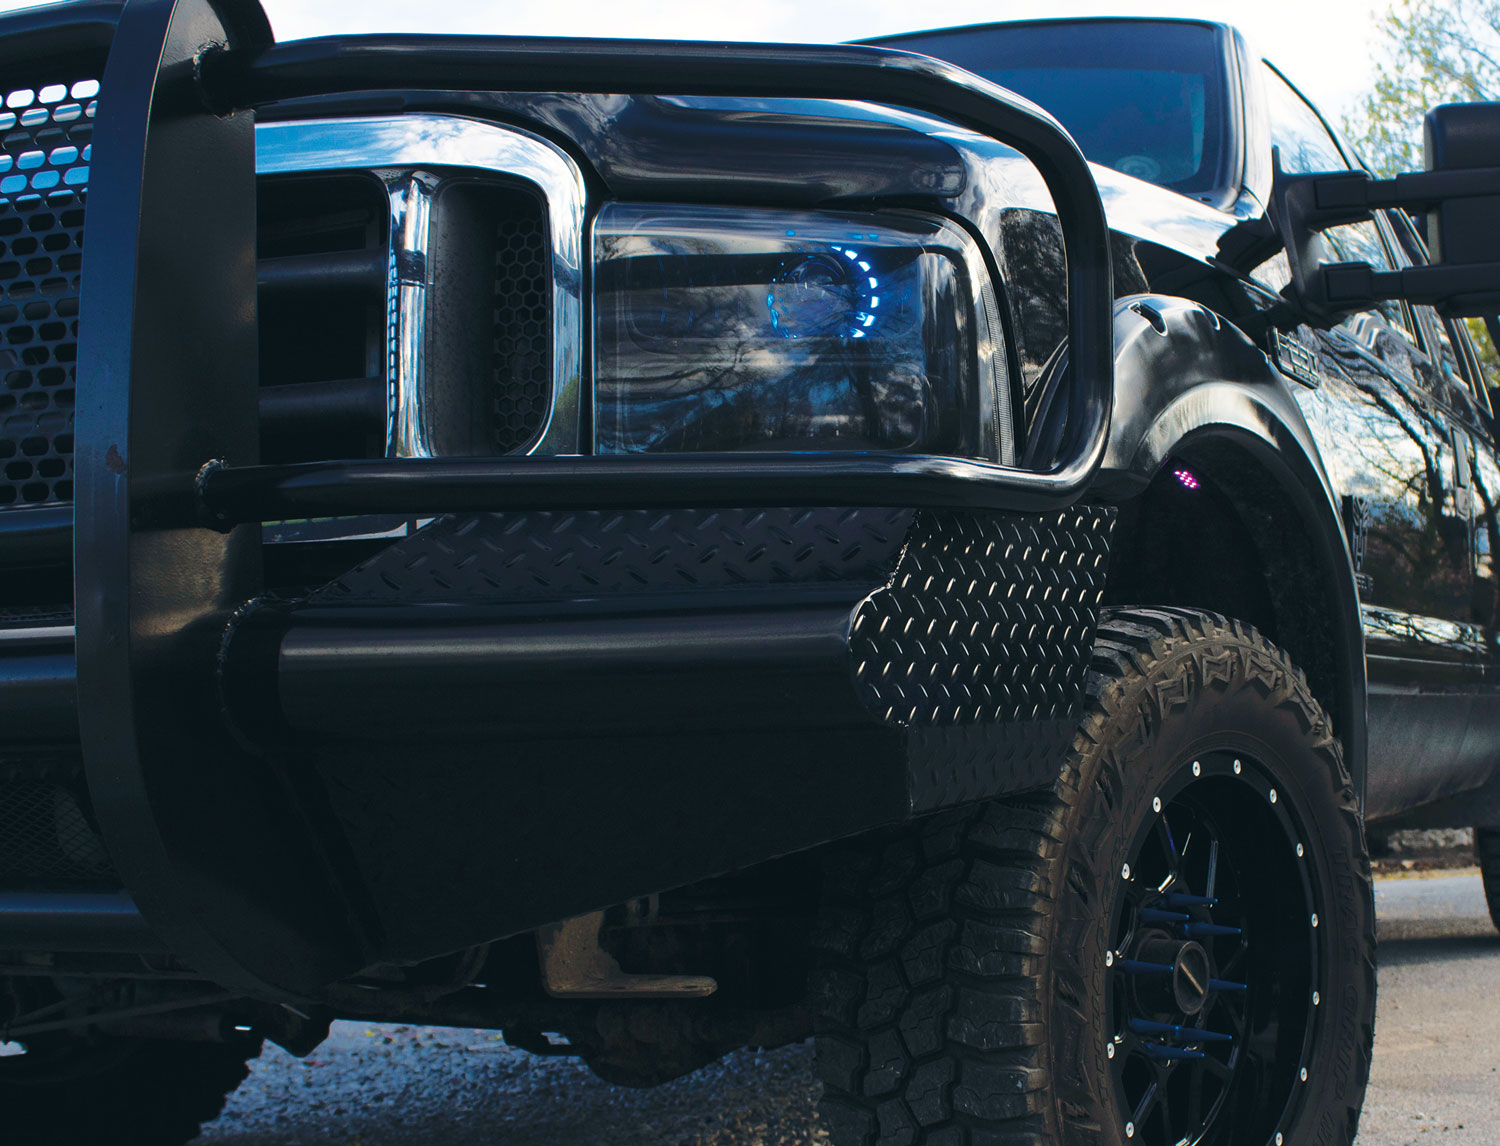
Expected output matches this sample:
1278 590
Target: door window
1297 132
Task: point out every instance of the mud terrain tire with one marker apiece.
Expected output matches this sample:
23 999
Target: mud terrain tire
976 988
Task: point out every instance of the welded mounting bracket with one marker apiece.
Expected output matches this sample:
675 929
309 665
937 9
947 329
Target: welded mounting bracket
574 966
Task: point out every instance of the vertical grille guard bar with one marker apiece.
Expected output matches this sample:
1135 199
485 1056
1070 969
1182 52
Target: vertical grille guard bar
204 834
364 63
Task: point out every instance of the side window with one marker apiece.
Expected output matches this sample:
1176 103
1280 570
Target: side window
1361 243
1456 380
1296 131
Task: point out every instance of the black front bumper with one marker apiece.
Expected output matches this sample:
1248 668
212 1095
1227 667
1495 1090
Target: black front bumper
507 719
519 717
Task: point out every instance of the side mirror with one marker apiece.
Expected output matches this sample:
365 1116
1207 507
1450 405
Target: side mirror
1459 191
1460 137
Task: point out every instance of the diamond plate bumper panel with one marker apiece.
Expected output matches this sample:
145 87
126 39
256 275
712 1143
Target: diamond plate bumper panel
987 619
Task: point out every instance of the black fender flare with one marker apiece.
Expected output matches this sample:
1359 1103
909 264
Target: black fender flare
1185 378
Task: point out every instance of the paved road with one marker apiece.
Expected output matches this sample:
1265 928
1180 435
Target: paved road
1435 1081
1437 1032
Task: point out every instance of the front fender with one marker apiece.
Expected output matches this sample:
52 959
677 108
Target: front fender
1179 368
1186 381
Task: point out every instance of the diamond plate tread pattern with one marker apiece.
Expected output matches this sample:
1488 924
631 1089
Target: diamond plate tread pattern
960 763
553 556
989 618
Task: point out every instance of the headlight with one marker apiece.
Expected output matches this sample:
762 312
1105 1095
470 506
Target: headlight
735 329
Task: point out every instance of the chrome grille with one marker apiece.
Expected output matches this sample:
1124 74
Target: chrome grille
484 354
45 146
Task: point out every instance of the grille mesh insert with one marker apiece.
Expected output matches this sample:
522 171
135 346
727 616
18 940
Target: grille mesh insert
523 319
45 145
45 835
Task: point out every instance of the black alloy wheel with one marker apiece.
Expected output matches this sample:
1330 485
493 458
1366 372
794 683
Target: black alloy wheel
1214 966
1172 947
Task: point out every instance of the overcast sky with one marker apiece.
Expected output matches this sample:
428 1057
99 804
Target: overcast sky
1323 45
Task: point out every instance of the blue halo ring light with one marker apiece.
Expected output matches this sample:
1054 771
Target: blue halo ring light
834 293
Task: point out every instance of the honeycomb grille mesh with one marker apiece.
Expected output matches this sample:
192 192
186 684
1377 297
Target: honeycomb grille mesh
46 837
45 146
522 328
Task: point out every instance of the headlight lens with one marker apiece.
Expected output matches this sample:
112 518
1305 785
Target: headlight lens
735 329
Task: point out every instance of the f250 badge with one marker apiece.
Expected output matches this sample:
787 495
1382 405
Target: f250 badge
1356 513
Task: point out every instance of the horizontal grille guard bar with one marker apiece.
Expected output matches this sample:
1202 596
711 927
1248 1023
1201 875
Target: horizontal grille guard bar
62 921
231 495
243 79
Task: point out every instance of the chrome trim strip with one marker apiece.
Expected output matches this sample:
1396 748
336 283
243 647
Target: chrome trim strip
403 151
408 434
50 635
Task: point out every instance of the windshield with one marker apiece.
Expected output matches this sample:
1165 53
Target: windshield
1145 97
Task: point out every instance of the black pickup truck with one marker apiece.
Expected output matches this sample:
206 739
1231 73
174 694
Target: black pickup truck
656 548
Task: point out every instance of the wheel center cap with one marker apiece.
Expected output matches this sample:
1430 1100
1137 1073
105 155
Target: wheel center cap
1190 975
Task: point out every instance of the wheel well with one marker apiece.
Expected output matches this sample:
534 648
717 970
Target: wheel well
1216 530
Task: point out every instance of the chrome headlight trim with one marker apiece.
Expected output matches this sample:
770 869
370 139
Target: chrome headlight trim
994 359
410 154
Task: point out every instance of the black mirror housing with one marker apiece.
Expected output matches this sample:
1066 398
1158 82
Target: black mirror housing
1461 137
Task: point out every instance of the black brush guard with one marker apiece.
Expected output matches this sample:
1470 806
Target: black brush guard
214 836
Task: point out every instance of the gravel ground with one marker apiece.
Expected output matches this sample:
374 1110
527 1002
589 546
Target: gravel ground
1429 850
426 1086
1435 1077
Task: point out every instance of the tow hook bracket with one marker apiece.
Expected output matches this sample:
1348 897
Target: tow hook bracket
574 966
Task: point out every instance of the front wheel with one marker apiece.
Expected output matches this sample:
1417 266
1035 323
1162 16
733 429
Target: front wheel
1174 945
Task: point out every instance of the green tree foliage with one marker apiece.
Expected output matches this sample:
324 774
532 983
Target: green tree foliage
1489 359
1429 52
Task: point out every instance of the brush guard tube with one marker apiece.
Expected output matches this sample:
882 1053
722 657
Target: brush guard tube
249 895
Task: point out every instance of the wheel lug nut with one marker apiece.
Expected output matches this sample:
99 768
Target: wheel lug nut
1273 795
1156 803
1109 960
1109 1050
1130 1130
1125 872
1304 1074
1278 1138
1299 851
1237 767
1197 768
